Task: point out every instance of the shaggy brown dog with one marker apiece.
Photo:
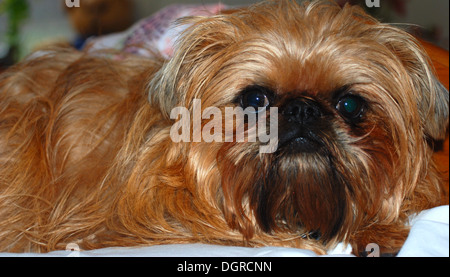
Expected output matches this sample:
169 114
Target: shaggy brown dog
86 154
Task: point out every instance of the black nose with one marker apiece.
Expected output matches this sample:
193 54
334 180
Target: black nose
303 111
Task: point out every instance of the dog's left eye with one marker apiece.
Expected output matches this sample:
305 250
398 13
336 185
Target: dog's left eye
255 98
351 107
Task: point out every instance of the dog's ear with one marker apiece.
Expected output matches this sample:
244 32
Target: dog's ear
195 59
437 118
431 96
432 99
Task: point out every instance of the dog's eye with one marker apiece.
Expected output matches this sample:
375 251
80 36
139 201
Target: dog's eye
255 98
351 107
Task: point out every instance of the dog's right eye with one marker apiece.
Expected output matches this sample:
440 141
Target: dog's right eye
255 97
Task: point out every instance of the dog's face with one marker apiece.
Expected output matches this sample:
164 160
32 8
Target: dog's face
356 103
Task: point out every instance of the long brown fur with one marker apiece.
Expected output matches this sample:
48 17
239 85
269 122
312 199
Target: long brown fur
86 155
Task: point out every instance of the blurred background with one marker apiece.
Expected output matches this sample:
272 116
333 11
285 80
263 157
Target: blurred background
28 24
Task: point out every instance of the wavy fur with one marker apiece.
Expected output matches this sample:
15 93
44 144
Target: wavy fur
86 156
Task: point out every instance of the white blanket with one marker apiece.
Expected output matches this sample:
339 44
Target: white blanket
429 237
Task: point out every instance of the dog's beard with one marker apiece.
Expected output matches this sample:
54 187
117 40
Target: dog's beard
294 191
302 188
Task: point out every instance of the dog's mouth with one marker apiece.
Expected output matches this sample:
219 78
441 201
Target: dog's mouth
300 141
304 144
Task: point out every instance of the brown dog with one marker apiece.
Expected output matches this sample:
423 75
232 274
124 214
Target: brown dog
86 153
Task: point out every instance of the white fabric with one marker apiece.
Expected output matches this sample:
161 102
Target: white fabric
429 237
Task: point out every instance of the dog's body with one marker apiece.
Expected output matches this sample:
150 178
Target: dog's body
86 154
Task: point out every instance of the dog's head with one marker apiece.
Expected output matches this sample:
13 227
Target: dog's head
356 103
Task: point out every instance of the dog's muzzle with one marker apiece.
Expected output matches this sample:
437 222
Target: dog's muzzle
302 119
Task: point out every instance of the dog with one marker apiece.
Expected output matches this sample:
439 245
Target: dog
86 154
